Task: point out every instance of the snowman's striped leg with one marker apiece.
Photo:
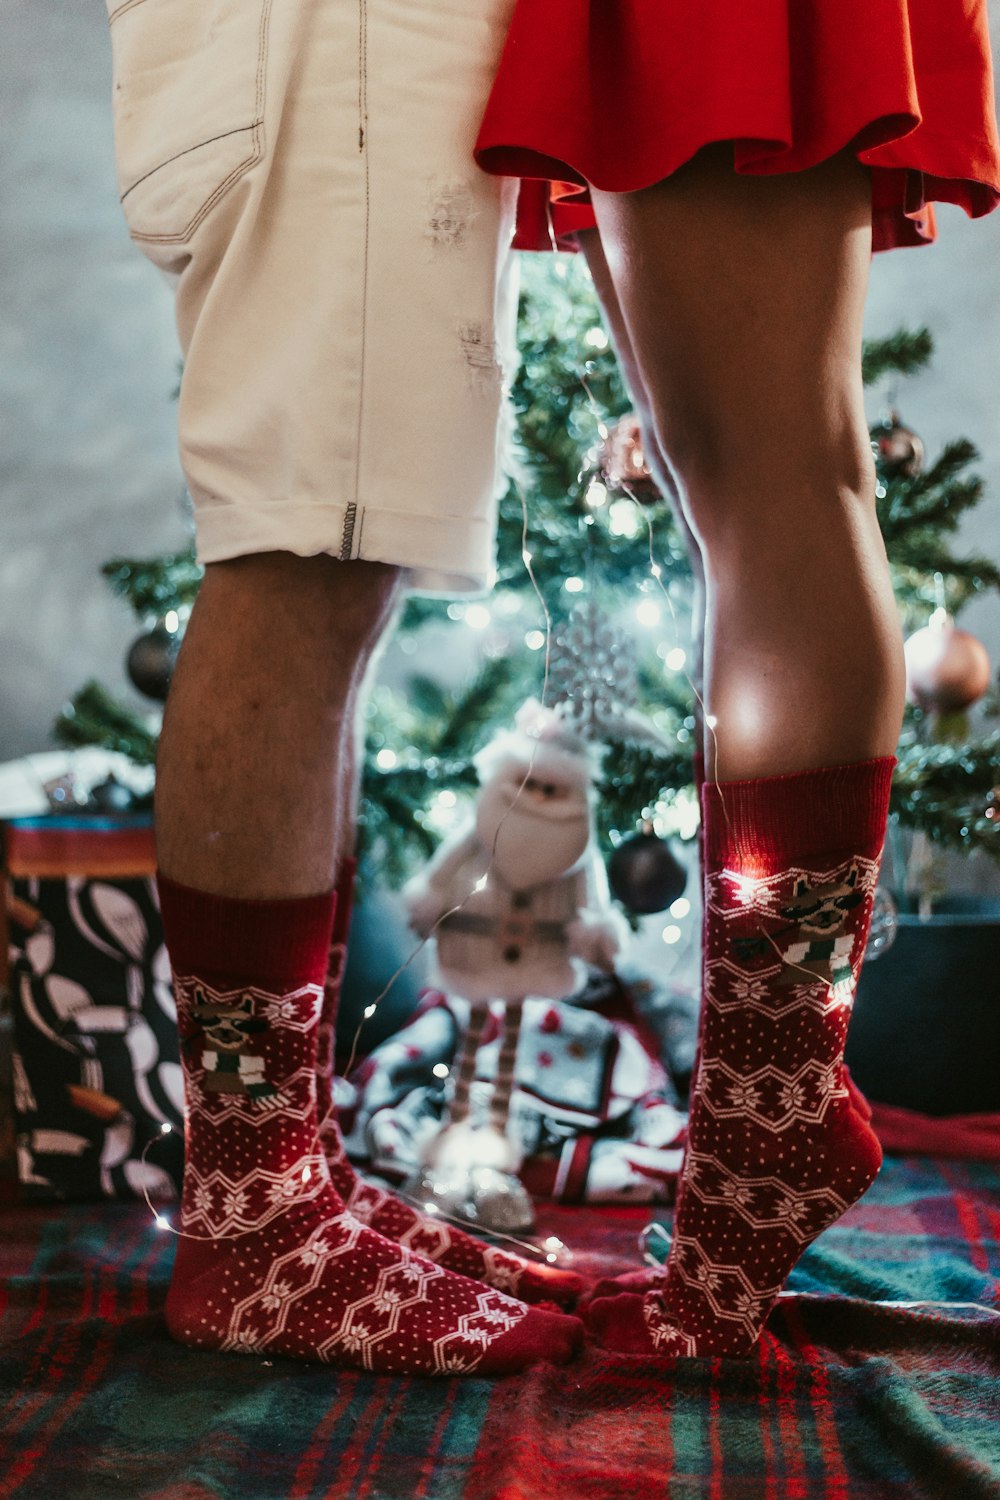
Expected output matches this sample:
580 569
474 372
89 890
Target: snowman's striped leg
506 1062
464 1067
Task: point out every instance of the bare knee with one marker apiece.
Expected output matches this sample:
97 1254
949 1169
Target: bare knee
760 494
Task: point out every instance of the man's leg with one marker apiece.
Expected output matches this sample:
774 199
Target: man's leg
257 734
743 298
249 814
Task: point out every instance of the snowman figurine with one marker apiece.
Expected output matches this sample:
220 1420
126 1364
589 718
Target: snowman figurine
517 904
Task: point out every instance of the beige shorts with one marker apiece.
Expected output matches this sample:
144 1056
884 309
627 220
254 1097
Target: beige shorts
302 171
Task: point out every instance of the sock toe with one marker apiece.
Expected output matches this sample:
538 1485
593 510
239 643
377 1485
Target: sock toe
648 1279
541 1337
621 1323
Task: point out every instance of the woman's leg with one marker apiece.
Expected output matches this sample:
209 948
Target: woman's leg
742 299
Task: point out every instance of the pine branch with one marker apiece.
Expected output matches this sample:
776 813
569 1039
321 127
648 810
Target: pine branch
902 353
944 790
480 707
94 717
155 585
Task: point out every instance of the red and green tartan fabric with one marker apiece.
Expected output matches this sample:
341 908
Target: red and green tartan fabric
843 1400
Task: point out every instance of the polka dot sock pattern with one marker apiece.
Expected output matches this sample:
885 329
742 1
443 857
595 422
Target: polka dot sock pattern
383 1211
776 1151
270 1260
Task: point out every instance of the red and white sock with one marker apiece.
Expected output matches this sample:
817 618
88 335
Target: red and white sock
269 1259
776 1150
442 1243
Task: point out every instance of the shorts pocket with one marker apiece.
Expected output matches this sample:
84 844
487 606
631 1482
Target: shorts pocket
188 91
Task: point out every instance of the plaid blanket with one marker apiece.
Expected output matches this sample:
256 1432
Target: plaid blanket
846 1399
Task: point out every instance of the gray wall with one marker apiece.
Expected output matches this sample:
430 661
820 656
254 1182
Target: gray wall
89 360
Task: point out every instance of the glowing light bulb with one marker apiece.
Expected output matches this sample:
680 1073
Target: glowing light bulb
671 934
166 1128
596 338
648 612
597 495
656 570
306 1173
675 659
161 1222
711 721
554 1243
446 799
480 884
525 556
431 1208
574 585
623 520
386 759
680 907
478 616
440 1070
534 640
551 1258
370 1011
171 621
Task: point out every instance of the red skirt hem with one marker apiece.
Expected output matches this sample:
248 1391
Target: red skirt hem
906 84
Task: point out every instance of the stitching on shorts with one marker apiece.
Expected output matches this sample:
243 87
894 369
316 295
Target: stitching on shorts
187 152
128 5
254 156
347 540
363 148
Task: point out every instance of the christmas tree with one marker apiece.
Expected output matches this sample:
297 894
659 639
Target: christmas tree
591 609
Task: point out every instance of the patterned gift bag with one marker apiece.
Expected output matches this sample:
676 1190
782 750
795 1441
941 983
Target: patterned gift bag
96 1069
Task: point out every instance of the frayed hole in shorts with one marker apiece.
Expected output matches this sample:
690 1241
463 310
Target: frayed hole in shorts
452 211
484 371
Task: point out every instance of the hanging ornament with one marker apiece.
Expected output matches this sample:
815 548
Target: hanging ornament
151 658
899 451
947 669
884 924
623 461
111 795
644 873
592 678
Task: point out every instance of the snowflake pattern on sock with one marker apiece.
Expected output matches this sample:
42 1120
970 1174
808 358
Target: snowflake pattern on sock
271 1260
776 1150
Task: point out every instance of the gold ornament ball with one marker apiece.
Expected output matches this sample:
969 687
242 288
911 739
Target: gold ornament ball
947 669
623 461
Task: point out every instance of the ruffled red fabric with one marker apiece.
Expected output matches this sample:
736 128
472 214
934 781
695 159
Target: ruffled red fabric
620 93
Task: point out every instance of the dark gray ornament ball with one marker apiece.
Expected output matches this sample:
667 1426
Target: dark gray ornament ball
111 795
645 875
150 661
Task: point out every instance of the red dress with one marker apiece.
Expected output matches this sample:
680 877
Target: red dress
620 93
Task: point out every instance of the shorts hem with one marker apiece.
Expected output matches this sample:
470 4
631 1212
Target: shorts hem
440 554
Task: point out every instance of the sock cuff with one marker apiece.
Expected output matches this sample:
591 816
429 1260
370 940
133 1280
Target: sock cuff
776 820
284 941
